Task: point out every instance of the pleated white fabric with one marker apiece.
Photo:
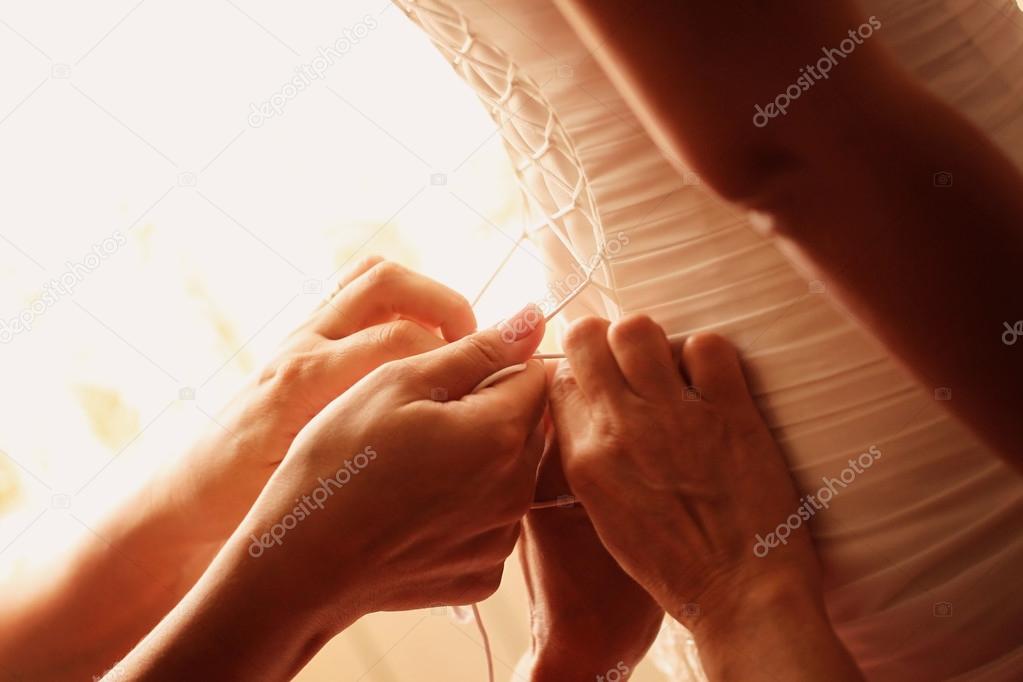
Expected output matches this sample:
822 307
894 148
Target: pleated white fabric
924 550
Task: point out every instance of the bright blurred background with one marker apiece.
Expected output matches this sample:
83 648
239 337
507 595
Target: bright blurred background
129 126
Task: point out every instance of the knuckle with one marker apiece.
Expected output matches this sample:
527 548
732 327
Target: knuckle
634 329
294 369
384 274
481 351
585 329
398 337
563 383
367 262
709 347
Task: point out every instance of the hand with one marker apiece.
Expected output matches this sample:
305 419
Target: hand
424 506
379 312
588 615
678 490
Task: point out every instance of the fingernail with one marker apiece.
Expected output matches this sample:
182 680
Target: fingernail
521 324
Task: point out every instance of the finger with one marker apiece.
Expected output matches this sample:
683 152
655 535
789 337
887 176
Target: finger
550 480
349 274
593 365
519 400
532 454
642 352
388 291
522 493
461 366
713 366
570 411
338 365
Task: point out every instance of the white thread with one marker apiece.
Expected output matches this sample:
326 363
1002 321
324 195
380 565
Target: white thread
571 296
498 375
500 267
562 501
486 641
554 140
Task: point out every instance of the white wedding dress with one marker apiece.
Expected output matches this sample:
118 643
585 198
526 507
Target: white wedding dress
924 550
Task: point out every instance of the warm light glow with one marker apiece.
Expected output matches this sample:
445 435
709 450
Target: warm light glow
222 226
217 223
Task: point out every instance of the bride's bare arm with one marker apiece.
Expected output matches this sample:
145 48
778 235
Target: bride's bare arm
907 212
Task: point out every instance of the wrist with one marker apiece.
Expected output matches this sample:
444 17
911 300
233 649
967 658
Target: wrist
553 666
202 497
751 606
781 625
245 619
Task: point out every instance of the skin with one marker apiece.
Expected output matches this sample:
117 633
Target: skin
931 270
144 558
865 226
677 491
429 520
443 539
578 593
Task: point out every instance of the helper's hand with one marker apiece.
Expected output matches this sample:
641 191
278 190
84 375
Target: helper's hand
406 491
141 560
680 483
588 616
379 312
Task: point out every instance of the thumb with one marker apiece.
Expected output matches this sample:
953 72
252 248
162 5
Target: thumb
460 366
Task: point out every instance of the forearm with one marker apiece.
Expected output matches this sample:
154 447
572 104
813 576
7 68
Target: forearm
77 619
587 616
236 623
118 581
693 73
932 270
850 190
